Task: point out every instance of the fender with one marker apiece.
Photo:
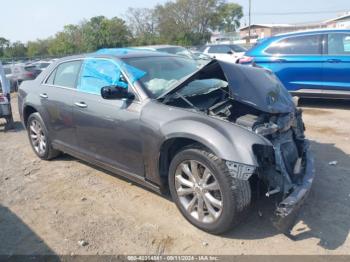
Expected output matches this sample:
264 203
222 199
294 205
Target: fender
236 146
226 140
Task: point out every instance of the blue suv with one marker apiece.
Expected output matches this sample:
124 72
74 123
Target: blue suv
309 64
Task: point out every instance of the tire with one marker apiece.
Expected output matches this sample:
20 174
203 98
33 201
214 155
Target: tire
44 151
9 123
234 195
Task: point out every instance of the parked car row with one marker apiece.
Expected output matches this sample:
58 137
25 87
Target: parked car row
18 72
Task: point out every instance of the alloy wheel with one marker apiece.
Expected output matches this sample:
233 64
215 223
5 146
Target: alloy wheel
37 137
198 191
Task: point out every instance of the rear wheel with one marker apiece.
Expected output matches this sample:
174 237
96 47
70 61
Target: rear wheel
205 192
39 138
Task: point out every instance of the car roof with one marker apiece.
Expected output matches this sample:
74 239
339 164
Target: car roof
154 47
118 53
220 45
315 31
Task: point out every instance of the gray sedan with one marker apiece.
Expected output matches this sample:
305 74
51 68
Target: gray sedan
203 134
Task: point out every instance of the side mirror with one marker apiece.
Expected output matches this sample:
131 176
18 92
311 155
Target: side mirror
116 92
230 52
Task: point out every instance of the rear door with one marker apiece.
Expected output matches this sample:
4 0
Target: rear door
107 130
336 73
56 97
296 60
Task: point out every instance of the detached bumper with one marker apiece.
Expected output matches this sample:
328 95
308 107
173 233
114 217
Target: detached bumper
287 211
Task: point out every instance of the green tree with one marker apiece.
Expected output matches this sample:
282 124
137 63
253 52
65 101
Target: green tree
229 16
4 43
67 42
15 50
101 32
38 48
142 24
190 22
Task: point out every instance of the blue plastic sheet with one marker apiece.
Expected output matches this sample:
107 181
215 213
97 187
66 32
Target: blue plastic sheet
114 51
134 73
98 73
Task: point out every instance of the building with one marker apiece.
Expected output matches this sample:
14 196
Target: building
258 31
341 22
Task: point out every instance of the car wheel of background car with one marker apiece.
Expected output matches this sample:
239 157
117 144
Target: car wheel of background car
205 192
9 123
39 138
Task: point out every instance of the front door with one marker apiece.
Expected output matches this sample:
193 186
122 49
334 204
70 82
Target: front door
297 61
336 71
107 130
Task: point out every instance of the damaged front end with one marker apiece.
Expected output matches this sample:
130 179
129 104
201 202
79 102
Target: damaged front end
287 167
255 99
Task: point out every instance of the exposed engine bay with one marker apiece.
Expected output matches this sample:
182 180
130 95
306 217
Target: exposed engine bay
255 99
280 165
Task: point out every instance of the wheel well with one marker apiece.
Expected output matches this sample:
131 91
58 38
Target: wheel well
28 110
170 148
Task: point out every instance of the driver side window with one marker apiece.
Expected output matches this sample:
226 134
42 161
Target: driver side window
98 73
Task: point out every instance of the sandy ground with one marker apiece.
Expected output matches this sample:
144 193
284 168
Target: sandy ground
47 207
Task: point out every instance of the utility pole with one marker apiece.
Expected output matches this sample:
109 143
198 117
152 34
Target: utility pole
250 12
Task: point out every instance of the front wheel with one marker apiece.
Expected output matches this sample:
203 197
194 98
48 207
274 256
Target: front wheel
205 192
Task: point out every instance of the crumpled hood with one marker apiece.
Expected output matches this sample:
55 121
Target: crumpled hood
257 87
252 86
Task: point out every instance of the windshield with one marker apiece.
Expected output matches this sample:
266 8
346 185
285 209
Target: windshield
160 74
176 51
237 48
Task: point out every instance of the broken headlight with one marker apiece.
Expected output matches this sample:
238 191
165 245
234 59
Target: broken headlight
267 129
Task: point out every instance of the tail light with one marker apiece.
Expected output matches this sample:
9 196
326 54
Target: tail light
29 74
246 60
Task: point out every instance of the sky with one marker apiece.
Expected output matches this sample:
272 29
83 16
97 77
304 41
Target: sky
30 20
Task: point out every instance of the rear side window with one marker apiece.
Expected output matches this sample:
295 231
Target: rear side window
238 49
98 73
339 44
219 49
51 79
30 68
299 45
66 74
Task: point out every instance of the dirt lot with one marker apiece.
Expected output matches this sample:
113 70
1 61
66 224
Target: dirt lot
47 207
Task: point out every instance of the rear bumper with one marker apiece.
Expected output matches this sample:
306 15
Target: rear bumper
287 211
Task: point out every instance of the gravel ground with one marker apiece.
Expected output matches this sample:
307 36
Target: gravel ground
68 207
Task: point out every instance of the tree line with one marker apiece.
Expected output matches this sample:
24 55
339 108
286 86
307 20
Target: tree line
182 22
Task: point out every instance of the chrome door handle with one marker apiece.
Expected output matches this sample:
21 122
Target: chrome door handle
44 96
280 60
81 104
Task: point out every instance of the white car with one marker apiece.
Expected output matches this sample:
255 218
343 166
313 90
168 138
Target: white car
224 52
